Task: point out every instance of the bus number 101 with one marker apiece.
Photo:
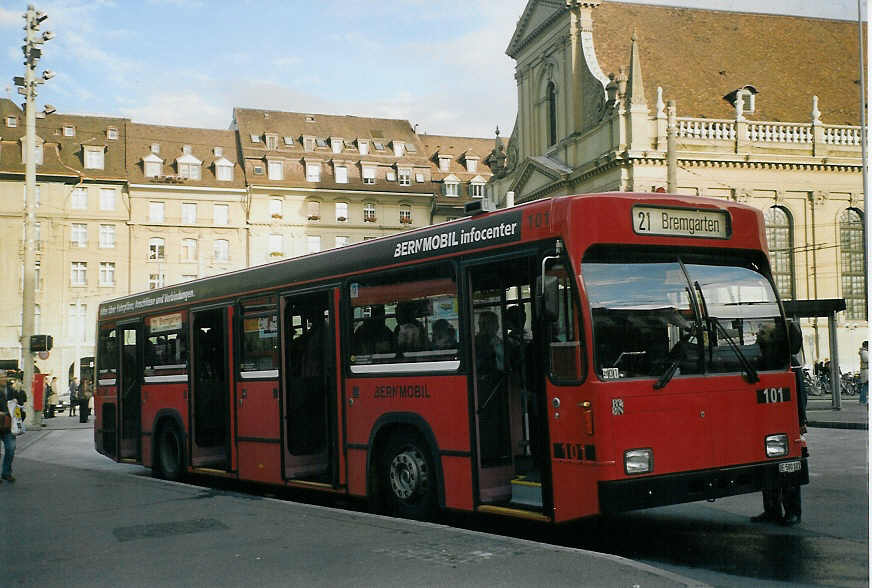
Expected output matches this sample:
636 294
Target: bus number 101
770 395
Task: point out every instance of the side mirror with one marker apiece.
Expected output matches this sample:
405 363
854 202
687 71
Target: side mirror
549 297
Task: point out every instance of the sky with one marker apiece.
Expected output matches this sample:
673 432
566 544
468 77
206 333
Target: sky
440 64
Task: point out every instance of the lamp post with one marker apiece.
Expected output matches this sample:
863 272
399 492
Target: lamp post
27 87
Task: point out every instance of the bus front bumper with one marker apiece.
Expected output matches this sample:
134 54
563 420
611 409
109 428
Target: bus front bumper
651 491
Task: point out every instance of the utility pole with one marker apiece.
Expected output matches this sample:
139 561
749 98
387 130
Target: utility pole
27 87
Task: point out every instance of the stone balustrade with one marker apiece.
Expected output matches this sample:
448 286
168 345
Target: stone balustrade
706 128
767 132
842 135
776 132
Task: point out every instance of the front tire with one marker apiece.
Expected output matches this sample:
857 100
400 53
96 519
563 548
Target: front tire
407 478
170 453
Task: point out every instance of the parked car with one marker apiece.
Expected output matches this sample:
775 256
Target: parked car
63 402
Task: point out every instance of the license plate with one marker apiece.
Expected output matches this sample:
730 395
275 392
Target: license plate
789 467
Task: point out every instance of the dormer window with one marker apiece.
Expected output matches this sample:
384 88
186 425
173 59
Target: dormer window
308 143
152 165
11 122
275 170
379 145
272 141
405 175
69 131
112 133
336 144
363 146
186 149
472 164
321 142
444 163
189 166
368 175
289 141
410 148
476 187
399 148
95 156
155 147
255 138
743 99
218 151
223 170
451 186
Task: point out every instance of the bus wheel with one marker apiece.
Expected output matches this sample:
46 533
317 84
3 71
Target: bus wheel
169 453
408 479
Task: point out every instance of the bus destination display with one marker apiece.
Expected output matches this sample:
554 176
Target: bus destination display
680 222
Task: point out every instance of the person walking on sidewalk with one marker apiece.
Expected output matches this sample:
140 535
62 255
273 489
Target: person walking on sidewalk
11 391
864 372
74 396
85 392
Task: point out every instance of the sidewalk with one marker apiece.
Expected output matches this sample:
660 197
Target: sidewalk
62 421
852 414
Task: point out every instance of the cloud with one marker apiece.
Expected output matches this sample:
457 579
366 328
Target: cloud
185 108
10 18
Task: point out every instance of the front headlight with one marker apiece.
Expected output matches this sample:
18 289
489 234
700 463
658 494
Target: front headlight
638 461
776 445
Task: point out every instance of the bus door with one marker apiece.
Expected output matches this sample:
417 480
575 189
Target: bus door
507 386
210 390
130 399
309 386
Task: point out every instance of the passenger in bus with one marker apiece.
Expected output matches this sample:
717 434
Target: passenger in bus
488 345
309 346
373 336
410 334
444 335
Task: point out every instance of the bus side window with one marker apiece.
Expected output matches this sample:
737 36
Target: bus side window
565 356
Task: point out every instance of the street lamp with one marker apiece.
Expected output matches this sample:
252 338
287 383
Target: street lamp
27 87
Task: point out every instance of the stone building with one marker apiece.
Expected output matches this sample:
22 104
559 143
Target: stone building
767 114
124 207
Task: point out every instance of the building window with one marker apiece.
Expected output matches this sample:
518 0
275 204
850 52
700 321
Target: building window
369 212
107 199
336 144
79 199
190 169
112 133
153 167
363 146
313 243
314 210
94 157
11 122
156 212
289 141
321 142
452 188
419 178
308 143
218 151
37 318
399 148
390 176
69 131
378 145
272 141
444 163
275 207
551 97
779 235
156 249
222 250
220 214
341 241
313 172
471 165
107 273
155 147
341 212
405 175
341 173
79 235
78 323
224 171
37 276
258 170
79 273
189 249
255 138
275 170
107 236
369 175
156 281
853 257
275 245
405 214
189 213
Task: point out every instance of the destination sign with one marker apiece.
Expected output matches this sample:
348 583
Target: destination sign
680 222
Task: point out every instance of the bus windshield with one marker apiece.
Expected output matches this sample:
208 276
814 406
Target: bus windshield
669 315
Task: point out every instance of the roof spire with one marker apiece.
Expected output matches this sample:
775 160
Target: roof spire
636 88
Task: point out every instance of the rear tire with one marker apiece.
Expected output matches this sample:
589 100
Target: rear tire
170 453
407 478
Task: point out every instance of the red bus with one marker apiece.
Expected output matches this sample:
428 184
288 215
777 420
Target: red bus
563 358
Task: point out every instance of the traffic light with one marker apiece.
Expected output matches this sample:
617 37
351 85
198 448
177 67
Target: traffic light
41 342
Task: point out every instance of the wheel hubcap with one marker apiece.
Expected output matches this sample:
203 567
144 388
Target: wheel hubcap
408 473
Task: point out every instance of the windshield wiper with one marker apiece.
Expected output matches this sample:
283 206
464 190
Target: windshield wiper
749 369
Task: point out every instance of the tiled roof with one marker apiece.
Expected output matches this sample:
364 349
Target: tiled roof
171 140
698 56
63 155
458 148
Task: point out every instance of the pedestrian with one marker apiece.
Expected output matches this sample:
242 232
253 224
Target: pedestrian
74 396
782 502
11 391
46 392
52 397
864 372
84 397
